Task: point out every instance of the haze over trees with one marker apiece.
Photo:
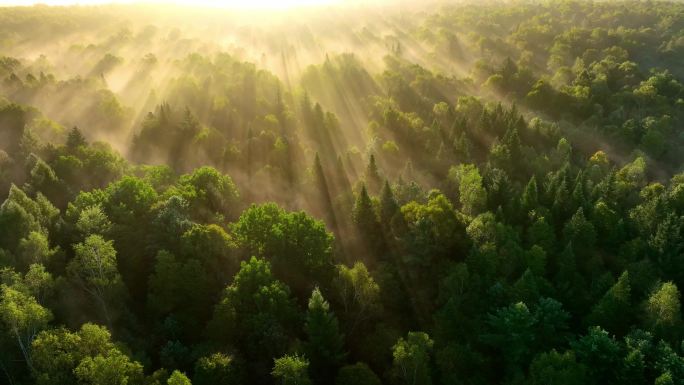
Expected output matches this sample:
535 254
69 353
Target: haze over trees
452 193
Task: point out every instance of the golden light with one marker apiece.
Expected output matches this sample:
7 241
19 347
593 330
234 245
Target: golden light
240 4
260 4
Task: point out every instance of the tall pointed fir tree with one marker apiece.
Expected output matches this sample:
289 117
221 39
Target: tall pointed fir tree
321 184
325 343
388 205
530 197
366 221
372 176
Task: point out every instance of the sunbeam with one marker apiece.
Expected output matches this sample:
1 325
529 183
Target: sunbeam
341 192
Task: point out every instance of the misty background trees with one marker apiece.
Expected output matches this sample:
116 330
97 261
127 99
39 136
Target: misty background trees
473 193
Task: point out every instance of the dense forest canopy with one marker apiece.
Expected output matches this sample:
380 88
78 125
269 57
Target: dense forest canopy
478 192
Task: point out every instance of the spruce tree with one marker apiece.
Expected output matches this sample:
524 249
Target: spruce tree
613 311
325 343
372 175
366 221
530 198
363 214
388 205
75 139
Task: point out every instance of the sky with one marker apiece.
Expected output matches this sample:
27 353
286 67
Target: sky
273 4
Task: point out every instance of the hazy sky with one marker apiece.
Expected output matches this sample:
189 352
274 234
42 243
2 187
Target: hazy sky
217 3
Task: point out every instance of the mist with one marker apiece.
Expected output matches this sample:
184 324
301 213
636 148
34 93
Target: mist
344 191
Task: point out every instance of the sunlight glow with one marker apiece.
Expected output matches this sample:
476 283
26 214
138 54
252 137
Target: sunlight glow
240 4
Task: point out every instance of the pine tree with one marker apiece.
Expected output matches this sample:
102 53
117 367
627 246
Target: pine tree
561 207
578 196
372 175
388 205
581 233
613 311
568 281
366 221
526 288
512 141
75 139
189 126
662 311
462 147
363 213
325 343
530 198
541 233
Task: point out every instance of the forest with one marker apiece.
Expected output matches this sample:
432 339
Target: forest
421 193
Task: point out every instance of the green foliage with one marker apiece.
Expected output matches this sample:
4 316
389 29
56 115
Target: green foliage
512 332
358 293
217 368
94 269
358 374
298 246
291 370
366 220
88 355
214 248
530 198
75 139
579 232
23 317
180 288
114 368
212 196
255 313
389 206
35 248
129 200
325 343
21 215
178 378
435 230
411 364
613 311
600 353
471 192
93 220
662 310
372 176
262 227
554 368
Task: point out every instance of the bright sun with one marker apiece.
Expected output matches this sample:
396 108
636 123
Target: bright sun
243 4
262 4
